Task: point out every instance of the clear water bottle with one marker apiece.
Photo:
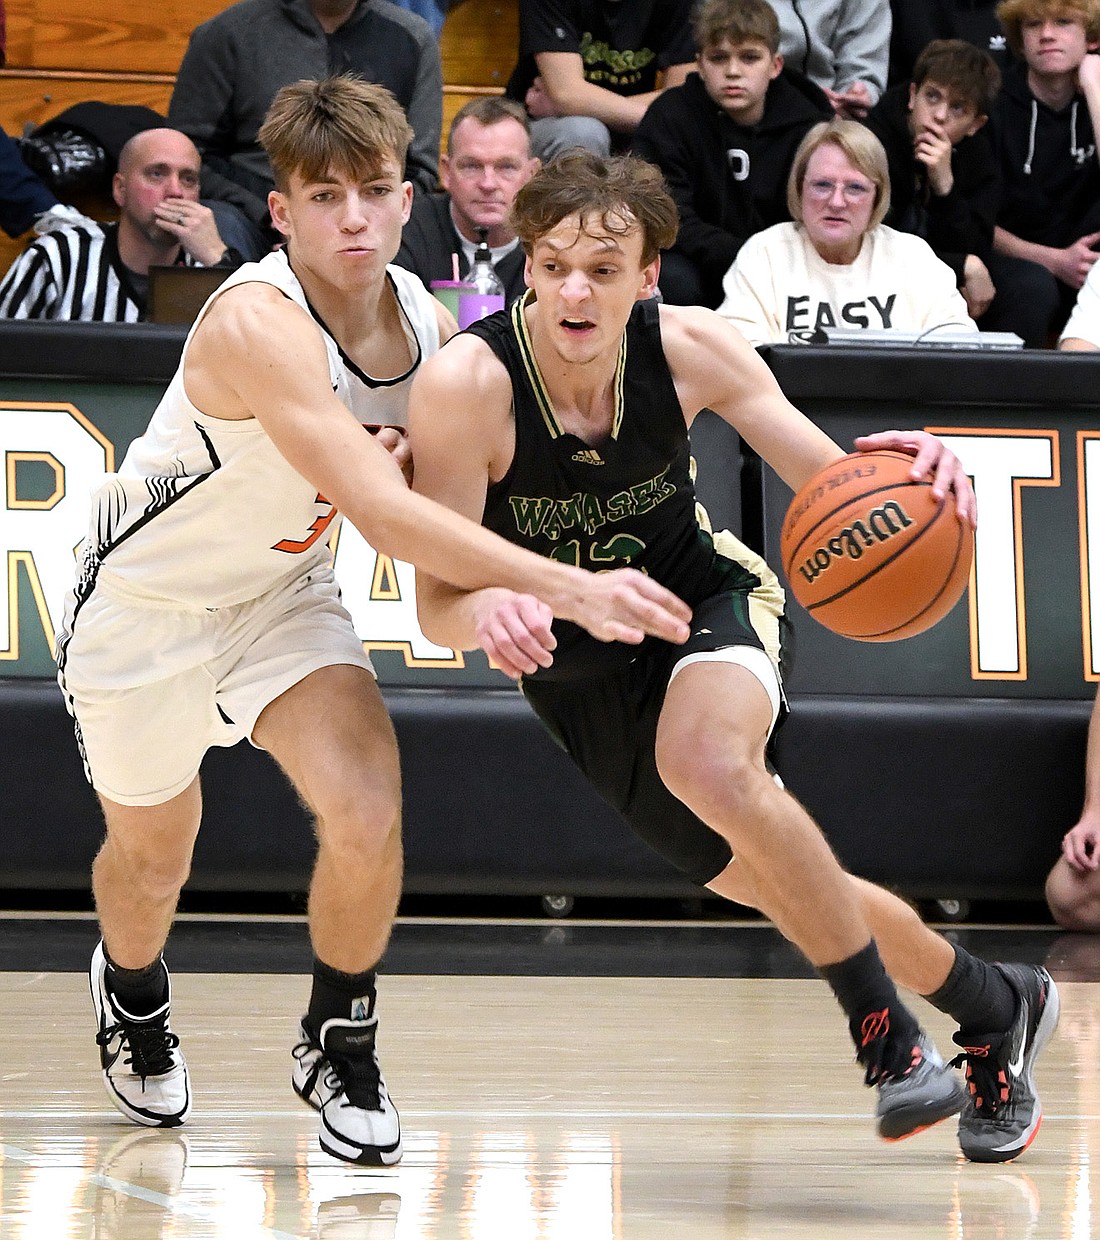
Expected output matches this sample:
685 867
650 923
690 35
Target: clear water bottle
487 295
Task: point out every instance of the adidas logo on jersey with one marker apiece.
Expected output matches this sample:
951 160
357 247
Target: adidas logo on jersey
587 456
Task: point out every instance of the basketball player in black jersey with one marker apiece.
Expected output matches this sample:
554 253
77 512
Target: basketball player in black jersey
566 432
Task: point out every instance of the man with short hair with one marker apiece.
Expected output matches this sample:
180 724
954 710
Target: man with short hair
563 425
206 610
488 159
1073 884
90 272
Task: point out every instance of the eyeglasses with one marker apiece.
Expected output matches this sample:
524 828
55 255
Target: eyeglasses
853 192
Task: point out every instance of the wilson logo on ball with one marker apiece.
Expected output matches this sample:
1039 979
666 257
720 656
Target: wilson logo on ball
881 525
871 553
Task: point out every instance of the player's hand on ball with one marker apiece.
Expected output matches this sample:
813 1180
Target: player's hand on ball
625 605
514 631
870 551
932 458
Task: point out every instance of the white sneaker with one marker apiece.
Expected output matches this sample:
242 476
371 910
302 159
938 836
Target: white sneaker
143 1162
143 1070
339 1076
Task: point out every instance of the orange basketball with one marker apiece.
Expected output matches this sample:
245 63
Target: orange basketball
872 554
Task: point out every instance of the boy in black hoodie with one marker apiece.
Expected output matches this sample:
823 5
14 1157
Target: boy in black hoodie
725 142
1043 128
943 180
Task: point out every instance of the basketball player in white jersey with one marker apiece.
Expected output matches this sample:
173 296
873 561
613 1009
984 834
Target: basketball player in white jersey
206 610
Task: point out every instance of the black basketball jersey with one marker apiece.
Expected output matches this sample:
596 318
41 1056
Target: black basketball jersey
626 501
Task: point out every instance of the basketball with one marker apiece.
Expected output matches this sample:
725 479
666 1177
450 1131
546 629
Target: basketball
870 553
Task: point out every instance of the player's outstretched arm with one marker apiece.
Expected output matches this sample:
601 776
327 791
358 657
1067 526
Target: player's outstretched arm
461 432
739 387
259 355
714 367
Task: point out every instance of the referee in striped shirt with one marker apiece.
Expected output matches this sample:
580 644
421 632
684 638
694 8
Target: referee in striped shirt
93 272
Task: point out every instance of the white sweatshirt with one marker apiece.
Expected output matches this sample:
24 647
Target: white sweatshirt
780 289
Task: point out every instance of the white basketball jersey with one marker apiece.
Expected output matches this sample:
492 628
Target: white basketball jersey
205 512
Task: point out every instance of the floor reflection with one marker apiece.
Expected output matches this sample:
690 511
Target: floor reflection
515 1184
535 1109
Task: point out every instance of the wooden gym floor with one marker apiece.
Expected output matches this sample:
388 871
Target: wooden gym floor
557 1081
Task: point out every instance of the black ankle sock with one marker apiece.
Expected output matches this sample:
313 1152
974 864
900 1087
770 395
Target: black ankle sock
870 1001
138 991
976 995
339 996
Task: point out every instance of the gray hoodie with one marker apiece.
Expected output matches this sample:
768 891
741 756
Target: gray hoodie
836 43
236 61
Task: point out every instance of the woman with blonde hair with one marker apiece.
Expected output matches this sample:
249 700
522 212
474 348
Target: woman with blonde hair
836 265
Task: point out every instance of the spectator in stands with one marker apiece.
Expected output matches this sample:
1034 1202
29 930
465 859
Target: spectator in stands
917 22
588 69
1073 884
1081 333
838 265
1043 128
725 141
943 181
236 61
842 45
93 272
488 159
76 152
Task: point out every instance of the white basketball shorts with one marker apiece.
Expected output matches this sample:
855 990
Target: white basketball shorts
153 684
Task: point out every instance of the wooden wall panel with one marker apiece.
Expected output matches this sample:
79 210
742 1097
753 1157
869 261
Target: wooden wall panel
27 98
127 35
11 248
479 43
19 24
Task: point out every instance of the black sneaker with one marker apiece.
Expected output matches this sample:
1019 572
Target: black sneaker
1002 1113
143 1070
338 1075
915 1088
